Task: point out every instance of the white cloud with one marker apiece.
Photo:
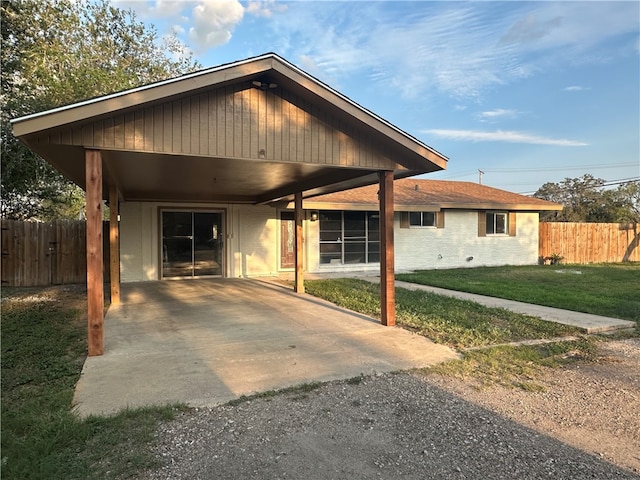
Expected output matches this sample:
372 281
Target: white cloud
458 49
177 29
531 28
575 88
265 8
157 9
308 64
167 8
213 21
555 35
412 48
497 114
502 136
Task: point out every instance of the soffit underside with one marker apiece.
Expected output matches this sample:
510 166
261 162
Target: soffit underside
159 177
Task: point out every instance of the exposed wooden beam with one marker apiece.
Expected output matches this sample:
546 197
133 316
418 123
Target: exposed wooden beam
298 216
387 268
114 245
95 281
322 179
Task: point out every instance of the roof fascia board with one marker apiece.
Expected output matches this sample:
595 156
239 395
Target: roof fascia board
311 205
500 206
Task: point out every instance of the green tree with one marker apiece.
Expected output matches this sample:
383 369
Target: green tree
627 197
58 52
585 199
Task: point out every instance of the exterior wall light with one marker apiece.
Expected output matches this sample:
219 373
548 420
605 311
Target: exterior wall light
264 85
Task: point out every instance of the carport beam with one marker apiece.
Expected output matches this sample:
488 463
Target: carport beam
95 285
298 215
387 268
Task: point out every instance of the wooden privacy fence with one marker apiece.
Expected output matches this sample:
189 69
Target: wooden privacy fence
590 242
39 254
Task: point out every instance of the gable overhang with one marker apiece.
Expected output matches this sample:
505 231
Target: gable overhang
254 131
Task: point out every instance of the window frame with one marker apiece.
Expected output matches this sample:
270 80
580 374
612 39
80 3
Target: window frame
423 214
438 219
494 223
346 244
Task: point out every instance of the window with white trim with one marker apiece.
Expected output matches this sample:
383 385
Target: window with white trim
348 237
497 223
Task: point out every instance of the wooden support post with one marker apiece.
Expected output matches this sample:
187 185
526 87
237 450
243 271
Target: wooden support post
95 282
114 245
298 216
387 268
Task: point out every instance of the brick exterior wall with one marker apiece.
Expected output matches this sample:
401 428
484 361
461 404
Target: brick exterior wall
252 242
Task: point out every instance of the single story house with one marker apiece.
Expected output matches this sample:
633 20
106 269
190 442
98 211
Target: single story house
437 224
199 170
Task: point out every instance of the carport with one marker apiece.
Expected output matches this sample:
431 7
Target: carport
258 132
207 341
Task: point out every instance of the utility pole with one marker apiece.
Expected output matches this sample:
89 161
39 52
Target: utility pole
480 173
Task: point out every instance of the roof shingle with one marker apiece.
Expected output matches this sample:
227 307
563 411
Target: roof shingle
412 193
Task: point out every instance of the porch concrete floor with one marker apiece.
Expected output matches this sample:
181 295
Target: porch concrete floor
207 341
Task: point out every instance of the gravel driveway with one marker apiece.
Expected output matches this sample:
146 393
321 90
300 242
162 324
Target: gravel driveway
584 425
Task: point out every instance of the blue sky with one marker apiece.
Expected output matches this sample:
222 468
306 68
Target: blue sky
527 92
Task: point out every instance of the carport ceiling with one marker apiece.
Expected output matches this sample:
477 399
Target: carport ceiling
215 135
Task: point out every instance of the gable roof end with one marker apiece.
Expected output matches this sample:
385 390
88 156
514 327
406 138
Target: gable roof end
180 130
252 68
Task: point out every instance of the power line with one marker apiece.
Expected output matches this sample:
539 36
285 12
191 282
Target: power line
458 175
566 167
470 173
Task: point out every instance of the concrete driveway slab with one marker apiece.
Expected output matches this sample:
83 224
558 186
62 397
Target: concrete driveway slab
208 341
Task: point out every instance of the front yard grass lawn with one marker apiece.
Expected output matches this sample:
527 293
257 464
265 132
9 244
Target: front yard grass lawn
463 324
447 320
611 290
43 348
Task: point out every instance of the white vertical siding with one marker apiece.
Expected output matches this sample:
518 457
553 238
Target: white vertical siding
130 242
138 242
150 242
312 245
258 240
251 240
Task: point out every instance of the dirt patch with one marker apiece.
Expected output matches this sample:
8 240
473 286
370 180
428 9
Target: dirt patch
584 425
591 406
69 296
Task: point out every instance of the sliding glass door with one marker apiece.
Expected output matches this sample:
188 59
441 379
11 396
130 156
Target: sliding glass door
192 244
